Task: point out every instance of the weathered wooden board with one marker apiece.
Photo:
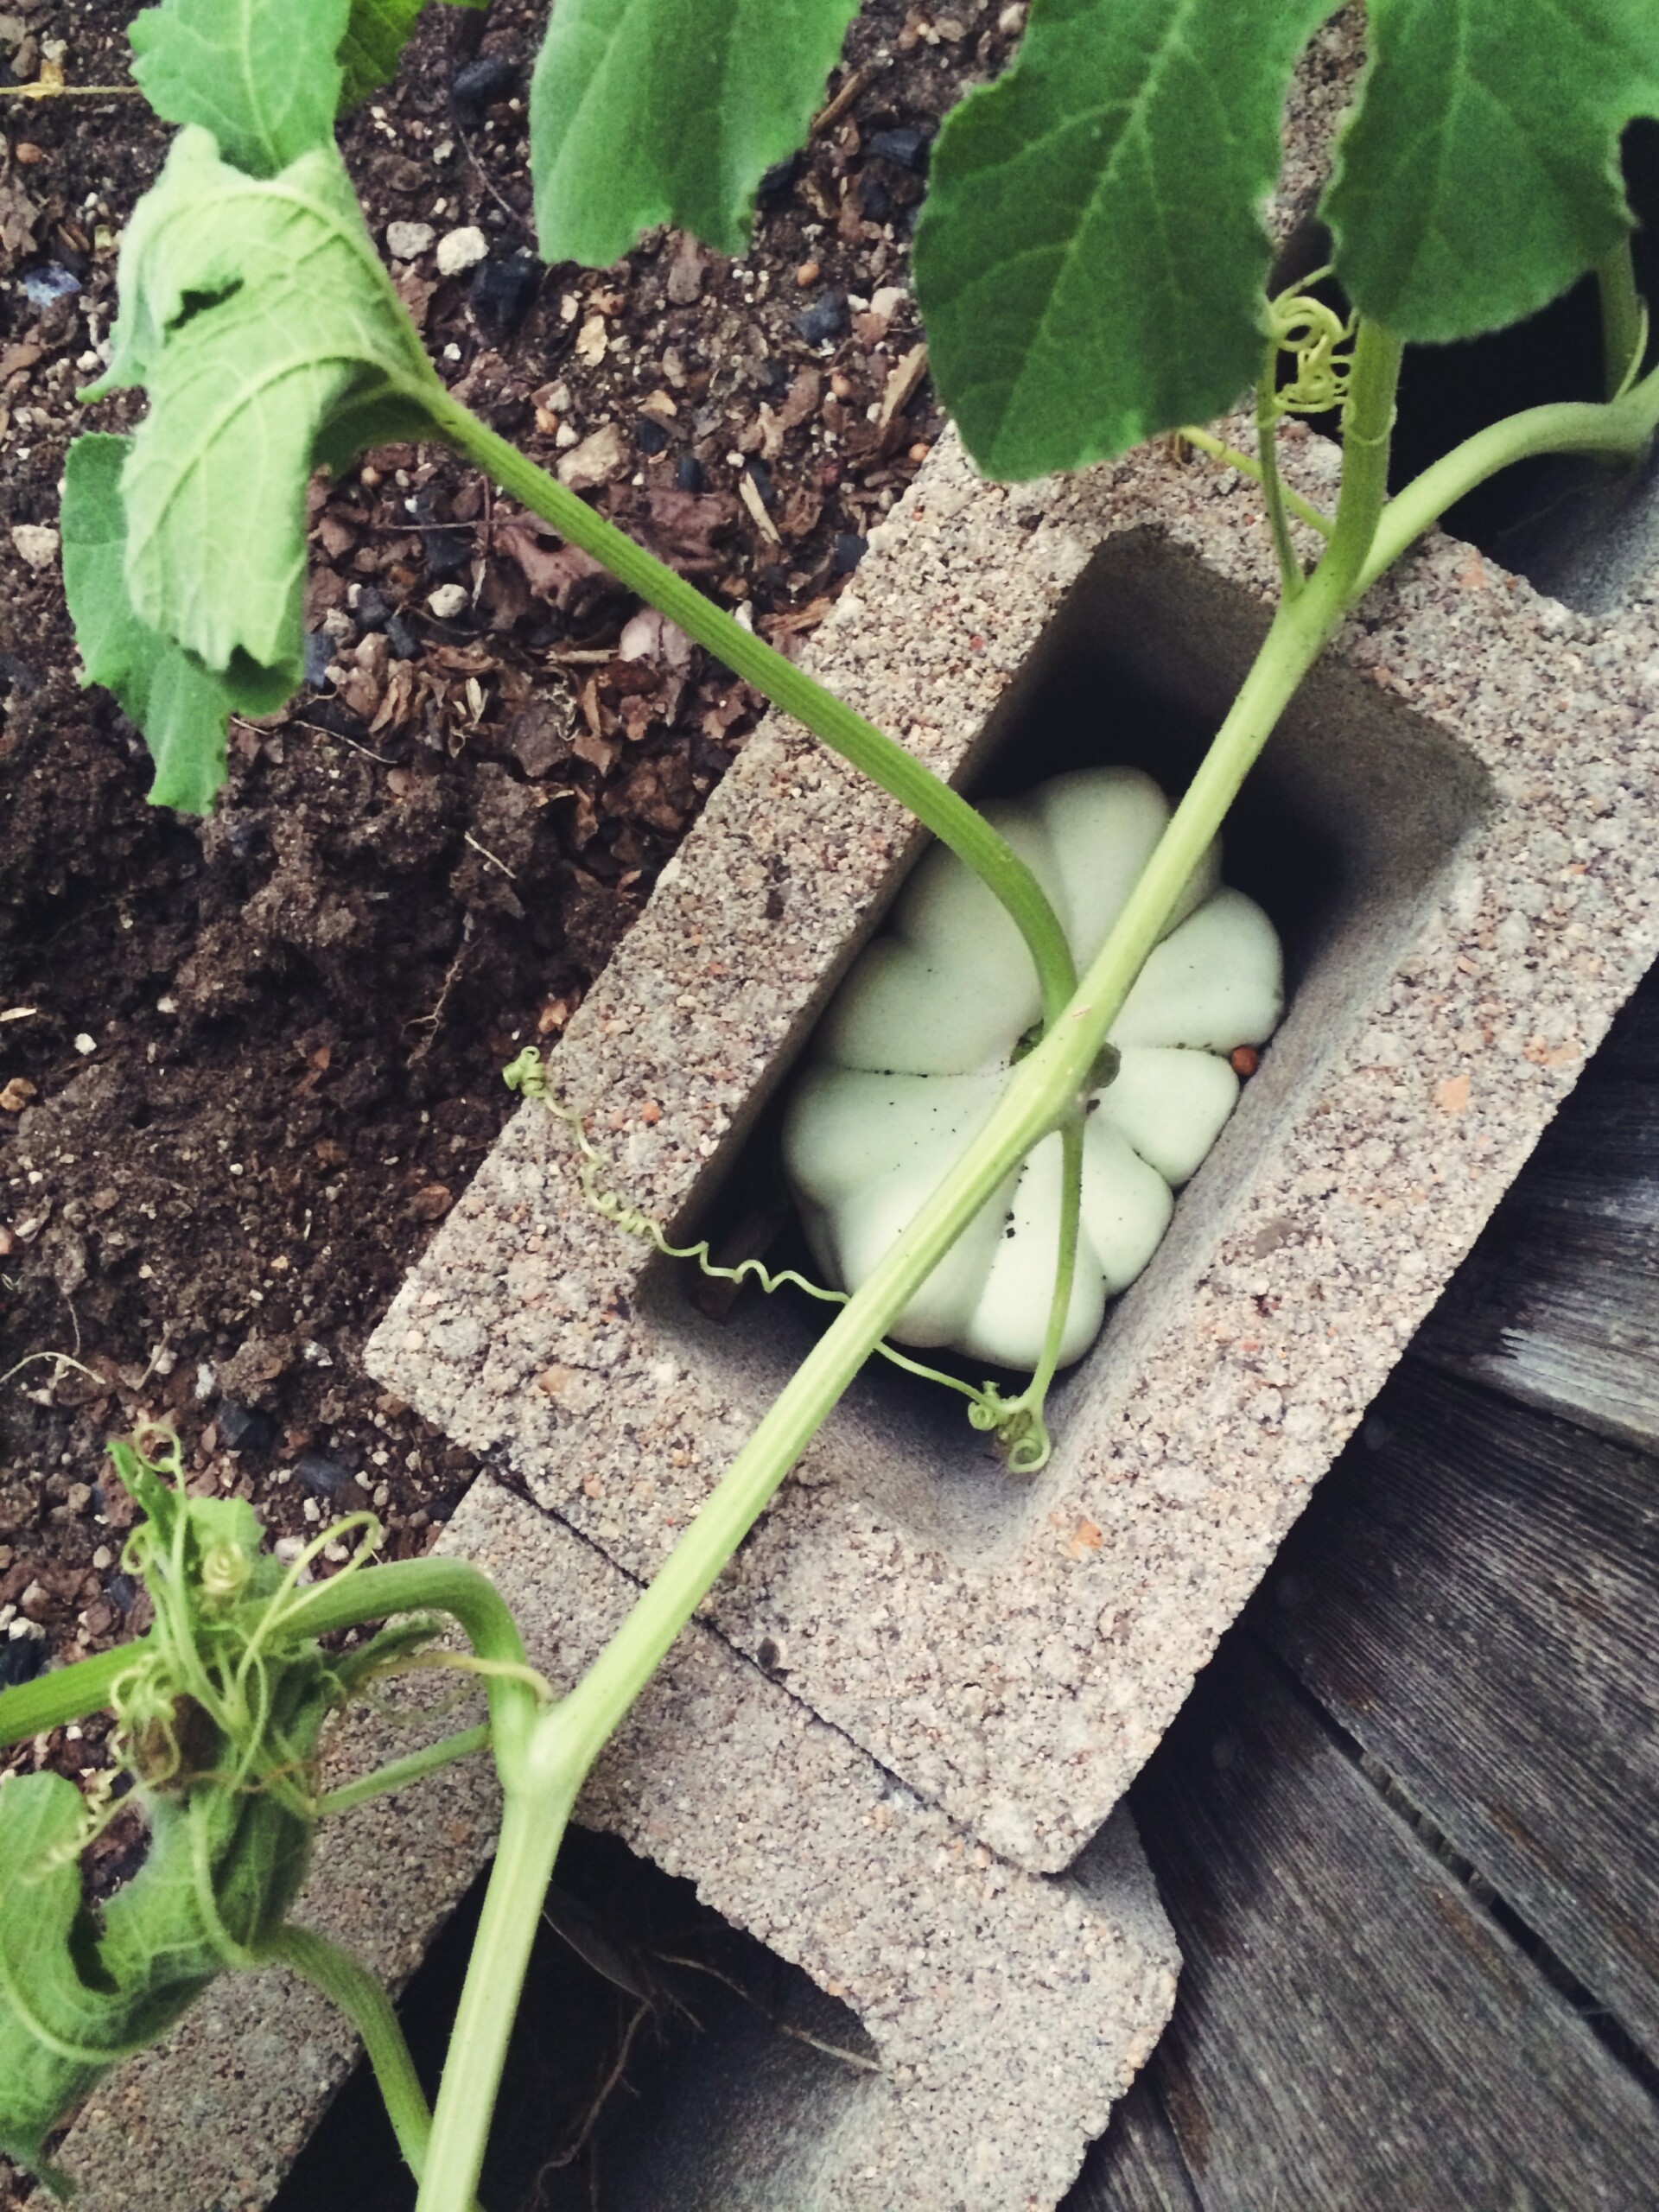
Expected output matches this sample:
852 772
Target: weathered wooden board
1476 1598
1353 2029
1135 2166
1563 1316
1559 1303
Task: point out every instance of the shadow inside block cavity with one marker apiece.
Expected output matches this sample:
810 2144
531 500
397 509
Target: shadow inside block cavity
1345 832
661 2058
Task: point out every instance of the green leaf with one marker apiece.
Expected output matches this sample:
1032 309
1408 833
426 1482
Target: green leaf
74 1998
268 77
1480 175
645 111
1091 259
181 710
57 2033
260 74
375 38
258 316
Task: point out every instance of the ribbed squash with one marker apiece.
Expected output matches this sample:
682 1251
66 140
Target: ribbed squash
918 1042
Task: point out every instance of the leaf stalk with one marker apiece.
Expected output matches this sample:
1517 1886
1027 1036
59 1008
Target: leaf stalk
945 812
1620 430
365 2002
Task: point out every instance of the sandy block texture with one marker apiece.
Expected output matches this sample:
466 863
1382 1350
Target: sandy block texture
1455 829
1006 2011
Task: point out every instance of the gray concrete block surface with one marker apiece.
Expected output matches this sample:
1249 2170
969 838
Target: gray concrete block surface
1005 2012
1454 829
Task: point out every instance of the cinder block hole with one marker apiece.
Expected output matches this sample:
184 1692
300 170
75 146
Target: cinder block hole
680 2112
1345 833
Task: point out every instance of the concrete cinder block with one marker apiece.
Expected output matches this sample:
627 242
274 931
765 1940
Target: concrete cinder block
1006 2011
1455 830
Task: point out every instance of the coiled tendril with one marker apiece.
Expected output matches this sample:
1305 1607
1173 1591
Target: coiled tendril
1016 1423
1321 344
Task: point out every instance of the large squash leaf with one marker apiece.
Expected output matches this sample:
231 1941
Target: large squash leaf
1090 260
645 111
1480 175
266 331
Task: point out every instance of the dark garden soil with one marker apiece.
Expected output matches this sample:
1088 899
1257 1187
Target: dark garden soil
246 1066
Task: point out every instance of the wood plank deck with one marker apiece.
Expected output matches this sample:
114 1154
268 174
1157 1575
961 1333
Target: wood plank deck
1407 1826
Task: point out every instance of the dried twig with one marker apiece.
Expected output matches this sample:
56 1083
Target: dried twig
829 116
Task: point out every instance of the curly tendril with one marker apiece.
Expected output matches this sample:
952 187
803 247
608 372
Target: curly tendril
1320 342
1016 1423
201 1703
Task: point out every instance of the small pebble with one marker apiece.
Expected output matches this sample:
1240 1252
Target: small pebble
243 1428
403 638
905 148
826 318
874 200
649 436
460 251
319 652
40 287
373 610
449 555
808 273
37 543
448 601
688 474
502 292
85 1045
407 241
21 1659
918 452
321 1474
850 550
491 77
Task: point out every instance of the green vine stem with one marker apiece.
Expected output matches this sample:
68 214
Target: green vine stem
945 813
1621 430
1267 474
365 2003
1020 1422
72 1692
1624 320
398 1774
1044 1090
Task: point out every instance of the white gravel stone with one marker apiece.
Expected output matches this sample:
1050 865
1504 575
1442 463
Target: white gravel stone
460 251
37 543
599 457
408 241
